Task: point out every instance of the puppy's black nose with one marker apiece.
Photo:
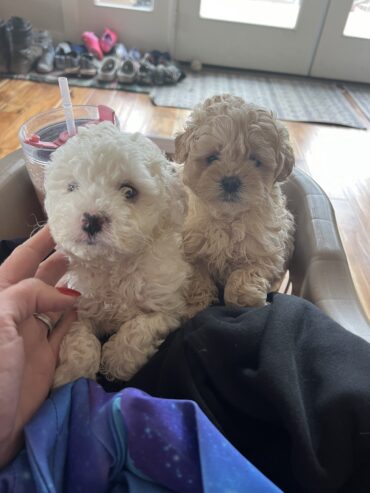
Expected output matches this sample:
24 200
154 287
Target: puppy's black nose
230 184
91 223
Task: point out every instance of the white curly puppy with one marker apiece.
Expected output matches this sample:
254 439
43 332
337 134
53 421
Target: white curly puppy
116 207
238 232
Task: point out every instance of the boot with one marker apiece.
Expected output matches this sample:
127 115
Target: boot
20 33
4 47
24 52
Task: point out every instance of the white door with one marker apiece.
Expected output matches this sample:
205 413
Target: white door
272 35
344 48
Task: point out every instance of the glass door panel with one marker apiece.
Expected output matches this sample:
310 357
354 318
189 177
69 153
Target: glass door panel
358 20
272 35
344 48
274 13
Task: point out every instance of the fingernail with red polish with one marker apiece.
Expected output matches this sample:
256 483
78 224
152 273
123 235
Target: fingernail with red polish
69 292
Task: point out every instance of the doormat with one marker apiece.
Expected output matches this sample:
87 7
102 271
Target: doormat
93 82
291 98
361 95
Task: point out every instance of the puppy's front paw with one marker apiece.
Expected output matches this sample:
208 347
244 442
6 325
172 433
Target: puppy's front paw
79 355
115 363
243 290
200 293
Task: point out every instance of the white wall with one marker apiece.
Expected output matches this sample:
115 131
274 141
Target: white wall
67 19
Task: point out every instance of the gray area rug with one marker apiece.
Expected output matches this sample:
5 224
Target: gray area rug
291 98
361 94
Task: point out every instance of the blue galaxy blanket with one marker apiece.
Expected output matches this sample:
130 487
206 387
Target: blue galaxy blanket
86 440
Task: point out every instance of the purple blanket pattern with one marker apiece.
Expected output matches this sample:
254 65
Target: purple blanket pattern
86 440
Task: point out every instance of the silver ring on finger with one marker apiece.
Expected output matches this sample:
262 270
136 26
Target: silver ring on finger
46 320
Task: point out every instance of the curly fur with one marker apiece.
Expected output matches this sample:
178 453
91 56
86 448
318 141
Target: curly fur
241 240
132 273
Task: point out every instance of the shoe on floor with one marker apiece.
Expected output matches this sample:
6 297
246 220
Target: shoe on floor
61 51
22 61
172 73
120 51
107 40
80 49
92 44
66 60
46 61
134 54
127 72
108 69
20 33
88 65
4 47
146 73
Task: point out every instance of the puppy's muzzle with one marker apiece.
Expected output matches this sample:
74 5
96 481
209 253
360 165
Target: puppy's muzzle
230 186
92 223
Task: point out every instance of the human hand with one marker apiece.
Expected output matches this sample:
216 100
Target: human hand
28 352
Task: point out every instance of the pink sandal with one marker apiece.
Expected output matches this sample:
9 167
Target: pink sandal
107 40
92 44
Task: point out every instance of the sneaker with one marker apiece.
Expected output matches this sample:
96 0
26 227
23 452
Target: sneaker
128 71
108 69
88 65
134 54
172 74
61 51
157 57
80 49
72 63
145 75
120 51
159 75
107 40
92 44
46 61
66 60
42 38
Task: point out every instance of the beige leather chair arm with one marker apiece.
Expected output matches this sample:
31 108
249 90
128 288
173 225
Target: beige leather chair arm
319 269
19 207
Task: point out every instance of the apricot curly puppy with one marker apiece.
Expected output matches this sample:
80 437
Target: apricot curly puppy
238 232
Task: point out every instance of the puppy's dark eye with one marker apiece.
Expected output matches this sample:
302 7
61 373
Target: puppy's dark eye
128 191
72 186
257 162
211 158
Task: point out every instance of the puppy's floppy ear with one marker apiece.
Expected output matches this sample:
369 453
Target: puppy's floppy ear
285 158
182 145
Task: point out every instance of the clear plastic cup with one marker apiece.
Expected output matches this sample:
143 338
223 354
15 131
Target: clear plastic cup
49 127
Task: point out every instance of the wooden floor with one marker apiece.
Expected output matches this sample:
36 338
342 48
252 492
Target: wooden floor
337 158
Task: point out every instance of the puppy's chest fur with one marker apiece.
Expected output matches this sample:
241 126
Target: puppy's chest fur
223 247
118 293
259 240
108 299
